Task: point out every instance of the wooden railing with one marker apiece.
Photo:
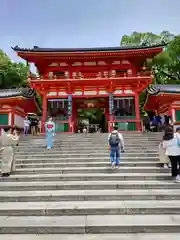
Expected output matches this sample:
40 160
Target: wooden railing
117 76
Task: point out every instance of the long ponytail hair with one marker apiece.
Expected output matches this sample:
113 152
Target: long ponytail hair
168 133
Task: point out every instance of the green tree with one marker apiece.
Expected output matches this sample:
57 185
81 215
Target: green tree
163 65
12 75
166 65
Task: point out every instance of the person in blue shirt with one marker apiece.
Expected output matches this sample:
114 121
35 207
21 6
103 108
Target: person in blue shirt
156 123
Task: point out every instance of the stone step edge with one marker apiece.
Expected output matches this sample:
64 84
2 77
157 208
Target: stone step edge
84 164
91 224
110 192
125 204
88 183
106 157
84 175
106 161
121 168
130 236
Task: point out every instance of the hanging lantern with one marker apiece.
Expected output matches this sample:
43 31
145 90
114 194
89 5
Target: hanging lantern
129 71
113 73
106 74
50 75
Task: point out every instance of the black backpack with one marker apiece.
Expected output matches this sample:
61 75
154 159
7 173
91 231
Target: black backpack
114 139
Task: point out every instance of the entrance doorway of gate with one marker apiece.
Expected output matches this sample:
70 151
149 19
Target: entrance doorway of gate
91 115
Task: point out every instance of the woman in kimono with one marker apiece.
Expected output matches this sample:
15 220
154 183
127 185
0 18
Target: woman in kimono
8 142
50 132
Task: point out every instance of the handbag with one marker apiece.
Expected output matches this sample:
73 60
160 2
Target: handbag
163 159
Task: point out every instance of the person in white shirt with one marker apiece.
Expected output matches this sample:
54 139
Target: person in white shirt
116 146
26 125
172 150
178 132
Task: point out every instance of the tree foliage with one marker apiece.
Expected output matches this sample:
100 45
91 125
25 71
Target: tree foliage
12 75
166 65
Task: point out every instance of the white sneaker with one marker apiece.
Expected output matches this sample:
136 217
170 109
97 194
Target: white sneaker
165 166
177 179
113 165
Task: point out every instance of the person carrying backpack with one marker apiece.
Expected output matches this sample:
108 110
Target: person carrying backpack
116 145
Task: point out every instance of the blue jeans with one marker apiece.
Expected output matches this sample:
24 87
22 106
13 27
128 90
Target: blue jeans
49 138
115 155
26 130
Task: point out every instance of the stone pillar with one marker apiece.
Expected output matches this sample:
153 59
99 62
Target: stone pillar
70 122
111 108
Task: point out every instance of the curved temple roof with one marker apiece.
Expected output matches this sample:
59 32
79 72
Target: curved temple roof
166 89
19 92
100 49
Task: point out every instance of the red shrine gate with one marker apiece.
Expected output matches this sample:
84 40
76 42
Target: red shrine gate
116 75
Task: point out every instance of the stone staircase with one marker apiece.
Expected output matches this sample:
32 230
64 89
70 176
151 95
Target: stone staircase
72 192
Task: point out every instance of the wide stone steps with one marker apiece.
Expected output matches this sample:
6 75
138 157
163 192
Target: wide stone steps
24 160
86 177
66 170
89 208
85 164
82 145
72 189
85 185
83 160
90 195
138 236
94 224
82 155
75 151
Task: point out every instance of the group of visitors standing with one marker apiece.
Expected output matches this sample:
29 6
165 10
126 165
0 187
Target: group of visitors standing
156 123
32 125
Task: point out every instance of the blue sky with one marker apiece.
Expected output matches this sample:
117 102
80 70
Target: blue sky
82 23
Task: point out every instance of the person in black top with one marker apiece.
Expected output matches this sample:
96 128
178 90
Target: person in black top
34 126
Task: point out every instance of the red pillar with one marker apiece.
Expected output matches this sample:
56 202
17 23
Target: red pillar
110 125
138 118
44 115
70 124
12 117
